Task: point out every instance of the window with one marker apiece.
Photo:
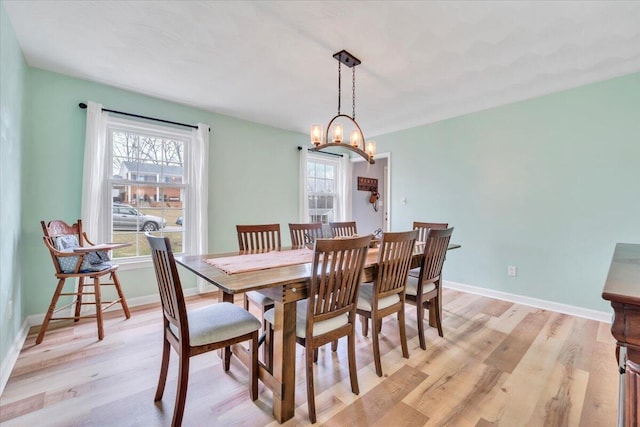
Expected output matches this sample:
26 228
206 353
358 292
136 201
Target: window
322 188
147 185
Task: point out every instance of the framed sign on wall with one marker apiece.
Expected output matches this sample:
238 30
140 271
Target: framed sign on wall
367 184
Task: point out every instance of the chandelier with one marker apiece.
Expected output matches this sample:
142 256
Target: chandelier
357 143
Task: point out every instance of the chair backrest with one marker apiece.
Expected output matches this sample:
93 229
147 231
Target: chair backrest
435 250
394 260
424 228
258 237
303 234
343 229
173 306
57 236
335 280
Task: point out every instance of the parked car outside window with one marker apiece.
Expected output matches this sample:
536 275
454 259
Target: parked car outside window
126 217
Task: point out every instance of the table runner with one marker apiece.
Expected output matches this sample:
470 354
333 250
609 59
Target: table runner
261 261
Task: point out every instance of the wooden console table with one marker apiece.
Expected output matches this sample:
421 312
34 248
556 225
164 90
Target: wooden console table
622 288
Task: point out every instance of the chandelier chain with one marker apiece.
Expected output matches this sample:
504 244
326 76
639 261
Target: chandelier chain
339 85
353 92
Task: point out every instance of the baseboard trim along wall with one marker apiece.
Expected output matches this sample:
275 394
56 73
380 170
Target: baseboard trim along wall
600 316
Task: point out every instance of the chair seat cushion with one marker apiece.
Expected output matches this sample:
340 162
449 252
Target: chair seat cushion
218 322
412 286
365 298
259 299
414 272
319 328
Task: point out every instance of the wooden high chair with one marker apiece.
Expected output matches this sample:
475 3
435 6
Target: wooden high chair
75 256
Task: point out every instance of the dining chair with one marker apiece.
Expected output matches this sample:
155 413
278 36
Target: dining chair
343 229
61 239
305 234
198 331
385 295
260 237
330 311
425 291
423 228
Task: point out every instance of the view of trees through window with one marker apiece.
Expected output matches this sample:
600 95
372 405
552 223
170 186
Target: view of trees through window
147 189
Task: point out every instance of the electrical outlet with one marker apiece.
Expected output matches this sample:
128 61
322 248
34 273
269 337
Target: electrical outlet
10 309
512 270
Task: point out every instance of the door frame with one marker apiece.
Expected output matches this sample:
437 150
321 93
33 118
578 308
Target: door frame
387 183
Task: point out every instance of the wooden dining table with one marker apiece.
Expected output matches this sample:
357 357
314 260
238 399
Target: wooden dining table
285 285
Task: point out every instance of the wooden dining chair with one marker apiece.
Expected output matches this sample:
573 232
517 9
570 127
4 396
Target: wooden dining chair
305 234
343 229
385 295
329 313
425 291
61 239
423 229
194 332
260 237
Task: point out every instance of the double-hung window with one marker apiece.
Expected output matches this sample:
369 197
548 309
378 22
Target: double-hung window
323 195
147 188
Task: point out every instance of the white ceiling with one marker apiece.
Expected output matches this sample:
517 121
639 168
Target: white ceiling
271 61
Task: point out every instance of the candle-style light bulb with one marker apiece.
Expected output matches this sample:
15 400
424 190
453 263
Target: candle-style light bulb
355 138
371 148
316 134
337 133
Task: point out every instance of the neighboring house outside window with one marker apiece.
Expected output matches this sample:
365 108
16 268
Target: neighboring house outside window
147 187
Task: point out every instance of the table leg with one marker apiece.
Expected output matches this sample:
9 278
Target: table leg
284 359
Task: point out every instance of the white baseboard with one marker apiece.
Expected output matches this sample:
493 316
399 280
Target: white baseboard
572 310
12 355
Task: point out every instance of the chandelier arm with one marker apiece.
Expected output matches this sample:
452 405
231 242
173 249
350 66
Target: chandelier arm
350 147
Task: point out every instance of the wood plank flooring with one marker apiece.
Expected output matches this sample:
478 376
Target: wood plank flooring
499 364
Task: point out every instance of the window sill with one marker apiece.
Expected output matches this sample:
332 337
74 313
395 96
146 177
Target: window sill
133 264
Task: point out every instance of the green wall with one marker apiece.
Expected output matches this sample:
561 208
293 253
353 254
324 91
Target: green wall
548 185
253 172
12 76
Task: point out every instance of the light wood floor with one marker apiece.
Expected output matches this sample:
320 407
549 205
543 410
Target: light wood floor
499 364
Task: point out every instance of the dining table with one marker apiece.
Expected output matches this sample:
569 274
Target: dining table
284 276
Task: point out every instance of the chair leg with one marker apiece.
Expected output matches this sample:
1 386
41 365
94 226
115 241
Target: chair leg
79 299
315 355
268 345
52 307
334 345
226 360
96 285
353 369
181 394
436 306
403 333
311 398
365 325
420 316
253 367
376 346
164 367
123 300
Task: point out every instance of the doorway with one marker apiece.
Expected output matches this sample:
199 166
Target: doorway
370 214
